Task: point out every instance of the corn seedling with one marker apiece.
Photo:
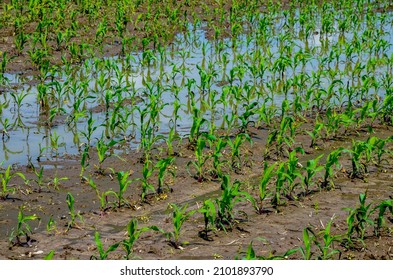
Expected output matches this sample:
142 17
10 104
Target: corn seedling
147 172
133 234
23 228
315 134
251 255
307 241
312 168
381 150
84 160
325 247
249 111
122 178
197 124
179 216
280 138
103 253
293 172
56 182
199 162
40 177
230 195
163 167
7 126
358 219
240 139
51 225
282 178
331 161
70 203
209 216
50 255
359 168
102 152
268 173
103 196
219 145
382 207
172 136
5 177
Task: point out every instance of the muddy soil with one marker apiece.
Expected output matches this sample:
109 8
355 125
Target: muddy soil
273 232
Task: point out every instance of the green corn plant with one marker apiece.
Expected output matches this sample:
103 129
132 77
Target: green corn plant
163 168
380 151
307 241
316 133
280 137
61 40
387 110
266 113
103 196
179 216
3 65
70 203
312 168
268 173
20 42
50 255
282 178
4 105
361 154
23 228
84 161
102 152
230 121
251 255
326 247
239 140
5 177
147 141
172 136
382 207
209 216
101 31
103 253
18 99
358 219
249 111
199 162
51 225
133 234
122 178
147 172
90 129
40 177
230 195
332 161
293 172
219 144
56 182
7 126
195 131
38 57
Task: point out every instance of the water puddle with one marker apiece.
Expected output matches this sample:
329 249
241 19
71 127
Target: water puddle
122 98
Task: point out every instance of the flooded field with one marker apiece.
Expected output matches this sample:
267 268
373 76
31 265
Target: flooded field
243 124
